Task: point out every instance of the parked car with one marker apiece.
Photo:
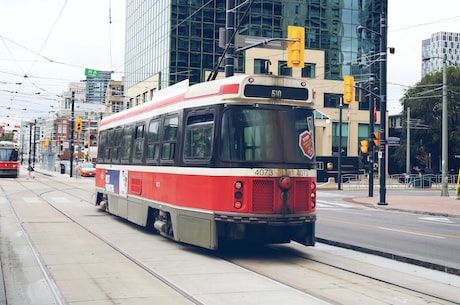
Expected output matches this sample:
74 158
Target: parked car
86 170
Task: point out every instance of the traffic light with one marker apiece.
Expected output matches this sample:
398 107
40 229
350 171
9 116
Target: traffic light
364 146
296 47
78 124
62 144
348 89
376 138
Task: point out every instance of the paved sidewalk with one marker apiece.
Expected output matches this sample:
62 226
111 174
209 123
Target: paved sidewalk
432 205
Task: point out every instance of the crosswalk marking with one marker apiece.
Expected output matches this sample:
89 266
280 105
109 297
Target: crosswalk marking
328 204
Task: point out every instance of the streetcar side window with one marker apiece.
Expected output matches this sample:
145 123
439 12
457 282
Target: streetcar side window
116 142
153 141
101 147
168 143
198 137
126 144
138 155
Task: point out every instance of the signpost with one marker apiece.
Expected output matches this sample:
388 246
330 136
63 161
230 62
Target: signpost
92 73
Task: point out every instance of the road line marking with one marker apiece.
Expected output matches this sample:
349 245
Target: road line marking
436 219
438 235
409 232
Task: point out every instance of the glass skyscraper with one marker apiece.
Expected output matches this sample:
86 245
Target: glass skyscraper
179 39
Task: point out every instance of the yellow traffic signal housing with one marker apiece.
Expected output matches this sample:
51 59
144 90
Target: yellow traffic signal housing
348 90
364 146
78 124
376 138
296 47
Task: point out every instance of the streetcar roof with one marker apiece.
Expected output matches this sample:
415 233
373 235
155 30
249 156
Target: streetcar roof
181 95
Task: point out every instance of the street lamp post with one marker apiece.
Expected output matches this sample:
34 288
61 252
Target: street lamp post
383 103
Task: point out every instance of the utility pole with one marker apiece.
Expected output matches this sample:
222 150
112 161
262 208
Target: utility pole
371 131
35 143
444 154
408 142
229 37
72 124
383 108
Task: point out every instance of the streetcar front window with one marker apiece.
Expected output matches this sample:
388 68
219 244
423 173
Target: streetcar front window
264 135
8 155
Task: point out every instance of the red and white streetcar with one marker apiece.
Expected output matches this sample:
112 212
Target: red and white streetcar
9 163
225 160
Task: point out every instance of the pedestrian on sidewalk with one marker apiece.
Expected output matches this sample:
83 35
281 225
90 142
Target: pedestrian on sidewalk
30 169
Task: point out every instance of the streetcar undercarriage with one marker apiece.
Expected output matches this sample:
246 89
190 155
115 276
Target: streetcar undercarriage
207 229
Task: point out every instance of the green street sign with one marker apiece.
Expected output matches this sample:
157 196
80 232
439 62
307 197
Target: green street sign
92 73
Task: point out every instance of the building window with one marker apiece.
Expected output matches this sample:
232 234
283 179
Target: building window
309 70
283 69
332 100
261 66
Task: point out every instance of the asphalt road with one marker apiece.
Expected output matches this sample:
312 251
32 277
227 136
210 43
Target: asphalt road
421 238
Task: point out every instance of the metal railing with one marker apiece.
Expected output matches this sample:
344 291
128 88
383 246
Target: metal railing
400 181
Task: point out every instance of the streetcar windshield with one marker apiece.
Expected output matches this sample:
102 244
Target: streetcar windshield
8 154
265 135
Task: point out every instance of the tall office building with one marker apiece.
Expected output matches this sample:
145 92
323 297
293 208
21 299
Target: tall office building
441 47
96 87
169 41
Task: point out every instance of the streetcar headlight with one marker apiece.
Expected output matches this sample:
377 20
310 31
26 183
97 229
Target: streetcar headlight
238 195
238 205
238 185
285 183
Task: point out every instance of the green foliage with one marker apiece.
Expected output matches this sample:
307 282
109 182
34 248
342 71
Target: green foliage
425 102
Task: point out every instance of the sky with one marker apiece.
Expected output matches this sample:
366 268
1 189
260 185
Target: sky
46 44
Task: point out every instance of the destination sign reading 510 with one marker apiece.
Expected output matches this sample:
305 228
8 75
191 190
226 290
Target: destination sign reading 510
276 92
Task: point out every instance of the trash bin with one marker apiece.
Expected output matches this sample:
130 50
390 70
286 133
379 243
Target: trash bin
62 168
422 183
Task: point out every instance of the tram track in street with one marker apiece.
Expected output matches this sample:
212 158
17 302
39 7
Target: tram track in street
64 188
300 268
138 263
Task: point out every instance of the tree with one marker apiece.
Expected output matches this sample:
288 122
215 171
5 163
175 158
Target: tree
425 102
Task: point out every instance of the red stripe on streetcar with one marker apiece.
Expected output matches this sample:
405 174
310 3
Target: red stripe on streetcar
224 89
229 89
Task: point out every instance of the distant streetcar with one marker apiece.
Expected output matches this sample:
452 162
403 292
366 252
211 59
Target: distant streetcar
9 155
226 160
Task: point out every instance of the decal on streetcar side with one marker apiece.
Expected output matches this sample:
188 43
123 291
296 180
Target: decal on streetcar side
306 141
